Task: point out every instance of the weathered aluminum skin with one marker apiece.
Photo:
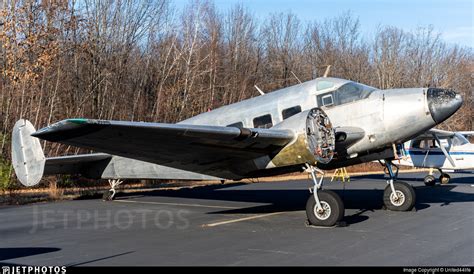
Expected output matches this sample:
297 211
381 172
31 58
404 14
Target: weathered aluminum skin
373 124
106 166
386 116
27 156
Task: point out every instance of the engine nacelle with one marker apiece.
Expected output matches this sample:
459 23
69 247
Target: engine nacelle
314 142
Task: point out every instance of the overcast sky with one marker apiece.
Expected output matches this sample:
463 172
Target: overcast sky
453 18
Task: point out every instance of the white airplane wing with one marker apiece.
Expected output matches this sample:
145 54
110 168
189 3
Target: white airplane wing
438 132
466 133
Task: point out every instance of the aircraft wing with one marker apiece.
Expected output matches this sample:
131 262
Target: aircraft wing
438 132
466 133
212 150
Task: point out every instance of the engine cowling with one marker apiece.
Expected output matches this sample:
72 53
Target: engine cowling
314 142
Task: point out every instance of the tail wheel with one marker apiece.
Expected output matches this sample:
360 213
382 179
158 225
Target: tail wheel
430 180
332 210
402 200
444 178
108 195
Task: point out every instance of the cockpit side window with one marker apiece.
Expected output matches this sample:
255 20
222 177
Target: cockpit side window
327 100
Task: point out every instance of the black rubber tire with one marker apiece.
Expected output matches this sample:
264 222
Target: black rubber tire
444 178
336 206
408 192
430 180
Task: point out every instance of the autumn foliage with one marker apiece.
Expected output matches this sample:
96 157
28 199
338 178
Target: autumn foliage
149 61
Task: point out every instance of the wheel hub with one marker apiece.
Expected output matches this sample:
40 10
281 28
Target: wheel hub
324 212
397 198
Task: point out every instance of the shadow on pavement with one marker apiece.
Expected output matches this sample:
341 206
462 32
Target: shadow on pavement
18 252
295 199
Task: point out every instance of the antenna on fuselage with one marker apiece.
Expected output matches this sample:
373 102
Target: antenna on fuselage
259 90
328 69
295 76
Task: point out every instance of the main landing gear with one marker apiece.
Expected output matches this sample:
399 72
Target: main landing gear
110 194
430 180
398 195
324 207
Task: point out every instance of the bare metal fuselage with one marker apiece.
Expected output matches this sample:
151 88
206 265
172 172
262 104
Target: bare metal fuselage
386 116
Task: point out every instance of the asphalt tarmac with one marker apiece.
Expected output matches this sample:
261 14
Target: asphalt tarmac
246 224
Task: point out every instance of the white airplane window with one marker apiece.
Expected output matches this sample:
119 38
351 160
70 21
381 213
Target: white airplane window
327 100
264 121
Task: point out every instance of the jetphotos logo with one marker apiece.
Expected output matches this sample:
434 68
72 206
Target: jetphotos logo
33 270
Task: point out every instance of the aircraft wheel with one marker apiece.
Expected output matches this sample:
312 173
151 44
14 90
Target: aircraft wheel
444 178
332 209
405 197
108 195
430 180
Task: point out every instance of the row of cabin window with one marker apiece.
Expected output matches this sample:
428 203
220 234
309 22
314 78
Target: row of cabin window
265 121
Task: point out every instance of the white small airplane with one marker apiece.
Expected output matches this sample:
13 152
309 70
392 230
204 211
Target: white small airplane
441 150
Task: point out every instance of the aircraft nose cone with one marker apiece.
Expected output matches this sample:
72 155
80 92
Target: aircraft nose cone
443 103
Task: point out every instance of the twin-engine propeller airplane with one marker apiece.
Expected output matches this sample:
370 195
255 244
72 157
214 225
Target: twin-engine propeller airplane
321 124
441 150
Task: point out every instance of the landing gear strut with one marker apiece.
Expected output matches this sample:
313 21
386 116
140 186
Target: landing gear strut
324 207
398 195
110 194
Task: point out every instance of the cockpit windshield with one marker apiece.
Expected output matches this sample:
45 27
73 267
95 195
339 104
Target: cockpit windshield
352 91
347 93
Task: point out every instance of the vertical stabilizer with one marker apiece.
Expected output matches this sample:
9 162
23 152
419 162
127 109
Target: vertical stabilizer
27 155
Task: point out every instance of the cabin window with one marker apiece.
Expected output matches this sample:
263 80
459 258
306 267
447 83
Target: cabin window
327 100
287 113
238 124
264 121
424 144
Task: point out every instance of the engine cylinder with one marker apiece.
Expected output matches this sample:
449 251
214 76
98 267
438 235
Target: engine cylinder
320 135
314 142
